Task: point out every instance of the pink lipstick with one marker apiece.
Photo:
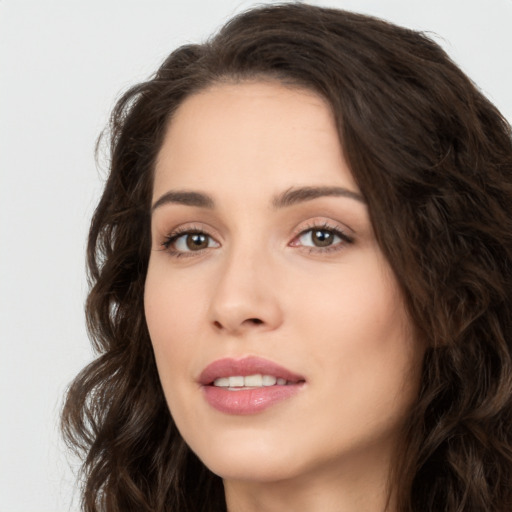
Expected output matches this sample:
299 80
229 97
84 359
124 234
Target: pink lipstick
247 386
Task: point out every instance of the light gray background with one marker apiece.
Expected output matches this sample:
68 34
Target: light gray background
62 65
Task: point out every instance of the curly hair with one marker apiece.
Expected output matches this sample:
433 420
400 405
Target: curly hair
433 159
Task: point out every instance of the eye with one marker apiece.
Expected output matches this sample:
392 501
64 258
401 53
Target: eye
322 238
319 238
189 241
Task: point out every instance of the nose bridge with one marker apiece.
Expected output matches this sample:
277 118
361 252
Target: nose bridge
244 296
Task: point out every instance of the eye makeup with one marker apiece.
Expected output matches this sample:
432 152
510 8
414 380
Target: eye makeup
314 237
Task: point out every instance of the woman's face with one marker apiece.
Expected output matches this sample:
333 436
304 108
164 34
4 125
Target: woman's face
279 331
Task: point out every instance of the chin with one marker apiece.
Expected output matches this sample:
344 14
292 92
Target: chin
261 469
251 459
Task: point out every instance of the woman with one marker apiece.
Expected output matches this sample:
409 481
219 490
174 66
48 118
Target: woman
301 271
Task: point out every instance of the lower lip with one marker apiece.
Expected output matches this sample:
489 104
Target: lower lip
248 401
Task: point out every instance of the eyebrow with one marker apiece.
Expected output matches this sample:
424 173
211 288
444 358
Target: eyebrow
288 198
185 197
296 195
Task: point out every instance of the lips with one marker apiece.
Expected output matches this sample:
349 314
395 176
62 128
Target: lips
247 386
228 367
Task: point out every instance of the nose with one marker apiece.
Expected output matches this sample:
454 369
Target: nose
246 297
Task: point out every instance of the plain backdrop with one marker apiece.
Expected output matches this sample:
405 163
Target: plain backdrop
62 65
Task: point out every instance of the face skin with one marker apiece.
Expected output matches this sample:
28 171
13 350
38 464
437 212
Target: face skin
261 284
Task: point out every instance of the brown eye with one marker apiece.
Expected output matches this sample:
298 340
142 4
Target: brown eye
319 238
188 242
197 241
322 238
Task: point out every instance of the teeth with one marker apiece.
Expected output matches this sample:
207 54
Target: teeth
253 381
268 380
250 381
236 382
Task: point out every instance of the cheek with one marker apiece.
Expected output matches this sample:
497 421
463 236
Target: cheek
359 304
356 326
172 311
172 306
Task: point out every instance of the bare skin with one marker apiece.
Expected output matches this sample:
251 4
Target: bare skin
262 246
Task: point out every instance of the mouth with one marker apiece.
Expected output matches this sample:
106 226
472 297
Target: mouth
247 386
237 382
247 372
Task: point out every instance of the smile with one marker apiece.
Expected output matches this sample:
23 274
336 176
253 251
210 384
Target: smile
250 381
247 386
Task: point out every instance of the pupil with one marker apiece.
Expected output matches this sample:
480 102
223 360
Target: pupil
322 238
197 241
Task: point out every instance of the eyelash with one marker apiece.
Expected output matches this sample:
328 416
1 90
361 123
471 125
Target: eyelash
326 227
172 238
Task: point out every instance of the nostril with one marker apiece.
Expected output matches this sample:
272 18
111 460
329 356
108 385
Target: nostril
247 322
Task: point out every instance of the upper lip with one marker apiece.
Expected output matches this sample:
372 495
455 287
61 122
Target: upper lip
247 366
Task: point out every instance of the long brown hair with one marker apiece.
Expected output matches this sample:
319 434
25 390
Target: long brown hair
433 158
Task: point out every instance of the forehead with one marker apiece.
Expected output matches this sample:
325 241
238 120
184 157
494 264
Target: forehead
238 131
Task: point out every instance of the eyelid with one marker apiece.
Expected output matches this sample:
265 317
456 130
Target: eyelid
320 223
173 239
174 234
340 230
323 223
